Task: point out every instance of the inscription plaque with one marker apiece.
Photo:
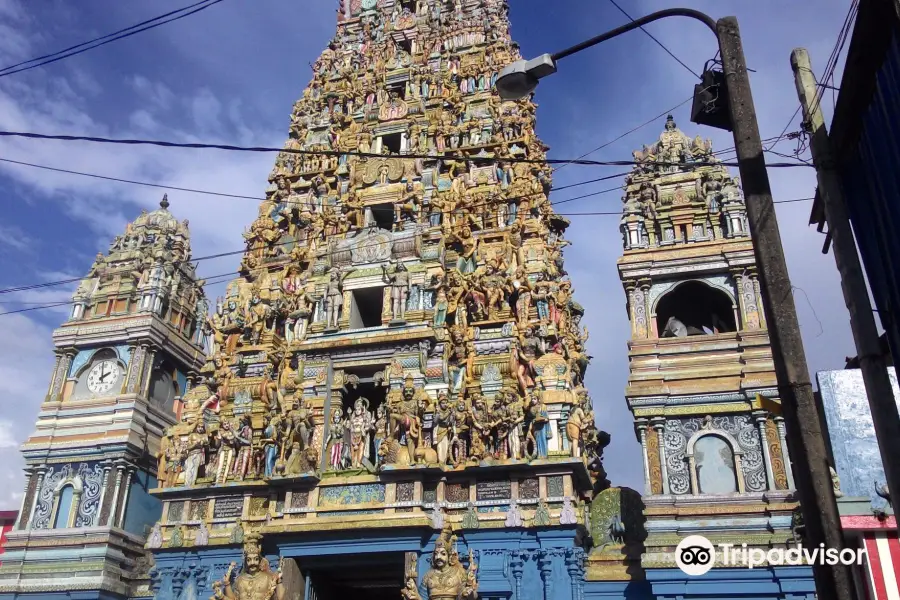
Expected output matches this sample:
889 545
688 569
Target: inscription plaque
229 507
493 490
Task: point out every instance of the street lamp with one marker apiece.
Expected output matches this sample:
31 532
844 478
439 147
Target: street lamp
807 446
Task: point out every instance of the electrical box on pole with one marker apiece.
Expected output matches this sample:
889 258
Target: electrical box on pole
710 105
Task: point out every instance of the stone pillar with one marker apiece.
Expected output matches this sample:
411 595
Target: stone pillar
135 366
785 456
100 500
34 499
22 521
760 417
124 502
759 302
642 433
63 363
149 359
517 566
660 426
545 564
113 511
53 376
575 569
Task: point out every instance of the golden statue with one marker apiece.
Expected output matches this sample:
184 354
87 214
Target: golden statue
256 581
447 579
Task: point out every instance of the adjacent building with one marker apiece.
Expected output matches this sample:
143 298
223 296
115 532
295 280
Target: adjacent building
702 385
864 500
124 357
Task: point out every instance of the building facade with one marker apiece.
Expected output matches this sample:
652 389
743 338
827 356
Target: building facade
127 352
394 403
702 384
863 498
8 520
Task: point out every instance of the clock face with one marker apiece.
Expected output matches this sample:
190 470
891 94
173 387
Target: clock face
103 376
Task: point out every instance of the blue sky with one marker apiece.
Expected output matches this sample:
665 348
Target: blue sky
231 73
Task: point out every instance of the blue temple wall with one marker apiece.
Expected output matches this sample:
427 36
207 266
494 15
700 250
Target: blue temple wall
142 510
526 564
772 583
70 595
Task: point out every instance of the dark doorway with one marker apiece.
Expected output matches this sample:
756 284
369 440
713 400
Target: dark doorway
365 576
694 308
365 310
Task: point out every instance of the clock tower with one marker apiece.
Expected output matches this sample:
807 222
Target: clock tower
130 349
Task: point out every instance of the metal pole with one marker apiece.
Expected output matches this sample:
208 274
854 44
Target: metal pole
871 361
795 389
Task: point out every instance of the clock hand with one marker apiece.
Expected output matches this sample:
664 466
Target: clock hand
105 374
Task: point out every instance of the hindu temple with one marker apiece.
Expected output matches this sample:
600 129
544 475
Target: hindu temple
388 400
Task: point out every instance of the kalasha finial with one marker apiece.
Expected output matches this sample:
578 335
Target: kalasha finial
164 203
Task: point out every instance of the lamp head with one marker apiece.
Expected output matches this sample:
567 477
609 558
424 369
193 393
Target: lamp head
520 78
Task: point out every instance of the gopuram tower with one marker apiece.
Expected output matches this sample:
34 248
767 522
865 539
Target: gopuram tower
702 384
394 403
130 348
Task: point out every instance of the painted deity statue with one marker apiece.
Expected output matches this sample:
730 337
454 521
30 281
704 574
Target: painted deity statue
256 581
448 579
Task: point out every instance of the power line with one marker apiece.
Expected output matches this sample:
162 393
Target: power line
131 181
661 45
370 227
339 153
627 133
108 39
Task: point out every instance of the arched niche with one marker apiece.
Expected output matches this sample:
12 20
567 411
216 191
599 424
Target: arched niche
81 389
714 462
66 498
163 387
700 308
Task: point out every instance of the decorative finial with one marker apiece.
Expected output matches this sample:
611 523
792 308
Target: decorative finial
164 203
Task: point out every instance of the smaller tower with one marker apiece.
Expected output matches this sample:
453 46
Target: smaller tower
702 385
131 347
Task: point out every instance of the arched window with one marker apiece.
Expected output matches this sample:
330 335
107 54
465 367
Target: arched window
714 461
65 499
694 308
163 387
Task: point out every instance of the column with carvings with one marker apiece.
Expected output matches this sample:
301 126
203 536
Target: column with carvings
659 425
28 490
129 472
785 456
545 564
135 368
149 358
114 506
759 416
102 499
642 432
36 494
575 569
517 566
63 363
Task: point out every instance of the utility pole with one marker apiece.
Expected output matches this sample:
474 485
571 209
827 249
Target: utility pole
871 362
811 474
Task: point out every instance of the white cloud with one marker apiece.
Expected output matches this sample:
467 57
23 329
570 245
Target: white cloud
26 361
13 237
154 92
7 440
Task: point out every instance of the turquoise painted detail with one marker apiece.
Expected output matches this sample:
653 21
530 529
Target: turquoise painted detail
351 494
123 352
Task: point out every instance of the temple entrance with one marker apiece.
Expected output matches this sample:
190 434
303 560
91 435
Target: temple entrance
365 576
